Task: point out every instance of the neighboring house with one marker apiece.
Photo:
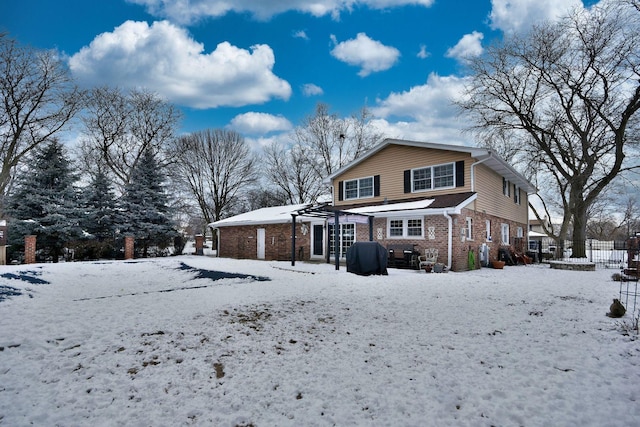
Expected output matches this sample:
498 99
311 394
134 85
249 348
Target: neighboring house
424 195
537 225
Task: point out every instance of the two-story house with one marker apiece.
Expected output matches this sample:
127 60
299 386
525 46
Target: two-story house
430 196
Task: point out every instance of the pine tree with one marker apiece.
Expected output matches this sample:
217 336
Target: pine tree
100 208
99 221
45 202
144 207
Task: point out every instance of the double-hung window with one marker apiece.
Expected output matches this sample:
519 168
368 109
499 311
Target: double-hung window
433 177
405 228
358 188
506 187
469 228
504 233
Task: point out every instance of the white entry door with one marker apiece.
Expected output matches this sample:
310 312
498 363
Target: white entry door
260 241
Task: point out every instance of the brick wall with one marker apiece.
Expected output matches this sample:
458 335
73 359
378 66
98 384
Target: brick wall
199 244
241 242
29 249
436 235
128 247
479 236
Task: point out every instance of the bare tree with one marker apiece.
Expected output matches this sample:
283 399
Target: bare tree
322 144
292 172
362 133
38 101
120 126
610 216
568 94
215 166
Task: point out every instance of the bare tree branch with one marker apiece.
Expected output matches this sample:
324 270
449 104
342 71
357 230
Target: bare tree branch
570 92
38 101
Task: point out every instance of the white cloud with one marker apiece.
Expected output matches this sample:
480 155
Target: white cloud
253 123
469 46
300 34
423 53
189 11
310 89
518 15
370 55
424 112
164 58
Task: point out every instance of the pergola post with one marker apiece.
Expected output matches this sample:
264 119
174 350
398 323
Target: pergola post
371 229
336 239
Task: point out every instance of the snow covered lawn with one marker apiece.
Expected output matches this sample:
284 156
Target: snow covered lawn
160 342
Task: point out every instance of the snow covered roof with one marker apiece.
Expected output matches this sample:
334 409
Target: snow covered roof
420 204
450 203
271 215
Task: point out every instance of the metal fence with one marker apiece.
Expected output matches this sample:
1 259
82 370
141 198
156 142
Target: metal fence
607 254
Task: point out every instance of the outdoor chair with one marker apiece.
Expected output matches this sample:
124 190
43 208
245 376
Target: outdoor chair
429 258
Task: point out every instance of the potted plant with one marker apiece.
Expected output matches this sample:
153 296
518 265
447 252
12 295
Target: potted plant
496 263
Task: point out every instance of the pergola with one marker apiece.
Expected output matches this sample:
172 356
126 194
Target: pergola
328 212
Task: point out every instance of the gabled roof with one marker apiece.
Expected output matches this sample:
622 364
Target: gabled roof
487 157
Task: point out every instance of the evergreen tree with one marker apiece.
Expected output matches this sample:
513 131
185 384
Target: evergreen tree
100 208
99 220
45 202
144 207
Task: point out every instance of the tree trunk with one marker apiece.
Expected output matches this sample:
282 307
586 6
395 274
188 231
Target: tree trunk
579 234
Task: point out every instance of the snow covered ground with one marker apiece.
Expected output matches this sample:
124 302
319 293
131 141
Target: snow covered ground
159 342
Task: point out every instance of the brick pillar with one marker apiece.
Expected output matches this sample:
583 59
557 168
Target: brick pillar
199 244
29 249
128 247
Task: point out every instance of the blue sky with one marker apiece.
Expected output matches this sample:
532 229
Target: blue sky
261 67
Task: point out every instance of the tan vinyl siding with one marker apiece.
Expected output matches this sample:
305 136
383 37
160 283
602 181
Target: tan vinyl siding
391 162
491 199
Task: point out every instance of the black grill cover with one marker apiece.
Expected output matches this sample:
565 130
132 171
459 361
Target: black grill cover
366 258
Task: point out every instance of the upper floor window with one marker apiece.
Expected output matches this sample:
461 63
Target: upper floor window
516 194
506 187
433 177
358 188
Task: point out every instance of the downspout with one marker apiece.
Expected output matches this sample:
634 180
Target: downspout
473 166
450 239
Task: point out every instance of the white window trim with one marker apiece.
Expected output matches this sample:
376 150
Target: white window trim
405 227
504 227
519 232
469 228
413 190
487 224
342 238
506 187
373 190
516 195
